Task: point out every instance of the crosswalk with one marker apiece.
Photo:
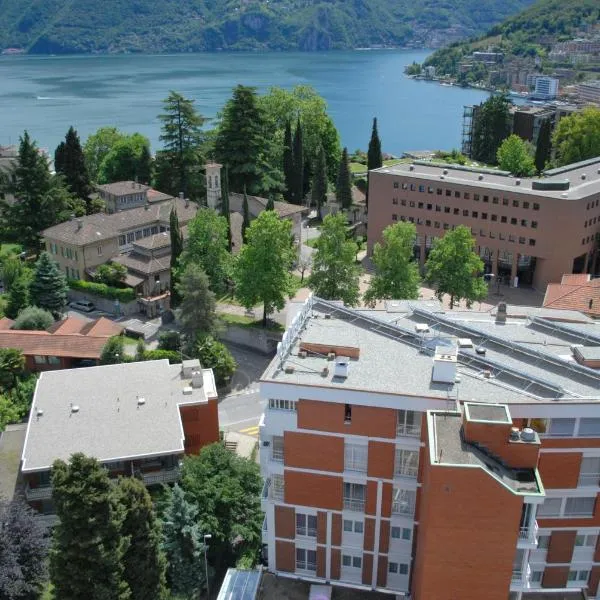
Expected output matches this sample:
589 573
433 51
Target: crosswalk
253 431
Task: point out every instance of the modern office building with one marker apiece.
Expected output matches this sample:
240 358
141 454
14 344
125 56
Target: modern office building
536 229
138 419
546 88
450 456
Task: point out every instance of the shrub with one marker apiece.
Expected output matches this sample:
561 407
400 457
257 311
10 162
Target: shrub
104 291
169 340
111 274
174 357
33 318
215 355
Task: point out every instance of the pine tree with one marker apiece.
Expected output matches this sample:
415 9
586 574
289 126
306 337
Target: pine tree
374 156
179 162
18 297
197 311
225 203
144 562
245 215
319 184
48 288
270 204
183 546
288 162
343 188
69 161
144 166
176 250
87 548
298 176
543 149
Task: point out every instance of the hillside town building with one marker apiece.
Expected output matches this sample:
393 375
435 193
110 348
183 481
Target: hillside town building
528 230
138 419
434 455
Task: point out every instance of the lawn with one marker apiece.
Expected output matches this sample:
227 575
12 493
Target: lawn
6 249
244 321
358 167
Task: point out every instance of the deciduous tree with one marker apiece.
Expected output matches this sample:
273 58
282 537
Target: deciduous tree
12 365
515 157
97 146
126 160
12 269
335 274
214 355
197 310
343 187
491 125
144 563
87 548
577 137
262 269
113 352
455 269
208 247
48 288
543 149
33 318
18 297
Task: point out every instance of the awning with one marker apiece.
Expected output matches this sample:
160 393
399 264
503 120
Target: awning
133 280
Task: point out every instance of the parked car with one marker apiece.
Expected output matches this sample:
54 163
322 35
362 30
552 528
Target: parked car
83 305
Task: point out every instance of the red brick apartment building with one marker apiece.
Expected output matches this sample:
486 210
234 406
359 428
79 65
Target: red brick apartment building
536 229
137 419
450 456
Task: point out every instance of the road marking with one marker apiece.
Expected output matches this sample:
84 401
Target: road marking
253 431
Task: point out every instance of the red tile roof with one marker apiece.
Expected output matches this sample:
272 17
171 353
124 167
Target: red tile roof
6 323
43 343
576 292
101 327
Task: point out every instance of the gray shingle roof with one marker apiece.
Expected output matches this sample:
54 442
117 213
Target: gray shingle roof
122 188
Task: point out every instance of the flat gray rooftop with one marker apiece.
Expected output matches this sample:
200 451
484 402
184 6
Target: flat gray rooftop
584 178
525 360
589 352
449 448
110 422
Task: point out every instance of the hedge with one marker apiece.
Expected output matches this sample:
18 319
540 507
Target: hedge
174 357
104 291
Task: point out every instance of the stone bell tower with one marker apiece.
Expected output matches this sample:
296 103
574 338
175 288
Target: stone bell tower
213 184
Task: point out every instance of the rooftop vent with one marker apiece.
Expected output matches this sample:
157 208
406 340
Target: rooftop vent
181 195
411 168
465 343
518 182
487 374
74 408
303 354
188 390
324 371
197 379
480 178
342 365
583 176
328 316
515 434
441 177
501 313
79 224
445 171
39 412
421 328
528 435
289 369
133 184
141 401
331 356
480 350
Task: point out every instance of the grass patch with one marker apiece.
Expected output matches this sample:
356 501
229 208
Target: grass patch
311 243
356 167
249 322
7 249
132 341
395 161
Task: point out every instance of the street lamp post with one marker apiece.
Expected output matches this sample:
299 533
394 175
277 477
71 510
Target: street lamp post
207 536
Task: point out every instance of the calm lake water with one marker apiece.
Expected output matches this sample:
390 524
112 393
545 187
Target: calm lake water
48 94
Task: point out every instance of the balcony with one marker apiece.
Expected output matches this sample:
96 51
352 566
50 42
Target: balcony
157 477
589 480
355 505
43 492
277 455
520 578
528 536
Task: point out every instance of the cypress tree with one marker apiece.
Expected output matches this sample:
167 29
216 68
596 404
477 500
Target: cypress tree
176 250
288 162
144 166
491 126
319 185
69 161
246 216
374 156
87 548
270 204
343 188
298 157
543 149
225 202
48 289
144 562
306 177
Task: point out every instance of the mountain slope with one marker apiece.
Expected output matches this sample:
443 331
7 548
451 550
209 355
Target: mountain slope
529 34
63 26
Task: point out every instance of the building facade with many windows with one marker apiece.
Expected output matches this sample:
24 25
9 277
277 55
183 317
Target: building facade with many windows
533 229
435 455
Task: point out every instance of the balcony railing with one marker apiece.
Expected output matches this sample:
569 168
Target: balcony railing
529 533
44 492
403 507
517 576
277 493
408 430
589 479
277 455
165 476
355 505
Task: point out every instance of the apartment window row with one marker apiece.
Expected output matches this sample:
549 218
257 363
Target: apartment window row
306 525
583 540
306 560
466 213
579 576
46 360
401 533
577 506
351 526
567 427
130 237
403 502
72 273
64 252
466 195
280 404
592 204
398 568
354 562
591 222
408 423
590 238
131 199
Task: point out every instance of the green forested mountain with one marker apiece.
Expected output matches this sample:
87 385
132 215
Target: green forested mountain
67 26
529 34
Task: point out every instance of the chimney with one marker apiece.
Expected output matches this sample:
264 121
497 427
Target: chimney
147 206
79 224
197 379
501 313
133 184
181 195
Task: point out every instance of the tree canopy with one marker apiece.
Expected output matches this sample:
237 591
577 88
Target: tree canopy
396 272
197 307
335 274
455 269
33 318
48 288
515 156
491 126
343 186
69 161
577 137
127 160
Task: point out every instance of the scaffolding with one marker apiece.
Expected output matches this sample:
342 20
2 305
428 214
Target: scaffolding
467 130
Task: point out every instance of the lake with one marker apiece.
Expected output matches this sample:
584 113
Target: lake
47 94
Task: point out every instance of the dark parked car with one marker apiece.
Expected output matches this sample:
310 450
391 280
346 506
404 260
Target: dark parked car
83 305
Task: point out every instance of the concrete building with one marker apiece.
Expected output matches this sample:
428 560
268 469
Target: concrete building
138 419
535 229
589 91
434 455
546 88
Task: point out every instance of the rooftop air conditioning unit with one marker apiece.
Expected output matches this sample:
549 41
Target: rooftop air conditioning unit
422 328
528 435
289 369
303 354
328 316
465 343
342 365
331 356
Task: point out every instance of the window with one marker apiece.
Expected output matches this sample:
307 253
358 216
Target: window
277 448
465 213
306 525
429 206
561 427
536 206
403 202
412 187
522 240
486 198
525 204
494 217
401 533
448 192
146 231
39 360
421 205
580 576
430 190
398 568
467 196
502 219
516 203
395 185
407 462
495 200
438 208
580 507
589 427
428 223
394 217
403 502
543 541
53 360
421 188
524 222
474 214
277 492
394 200
504 201
484 216
513 221
447 209
411 204
456 211
347 413
409 423
438 191
536 576
130 237
355 458
457 194
550 508
511 237
154 229
586 541
354 562
405 186
351 526
531 242
279 404
306 560
99 250
354 496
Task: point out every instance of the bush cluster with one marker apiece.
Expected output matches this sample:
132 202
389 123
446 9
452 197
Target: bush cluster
103 290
